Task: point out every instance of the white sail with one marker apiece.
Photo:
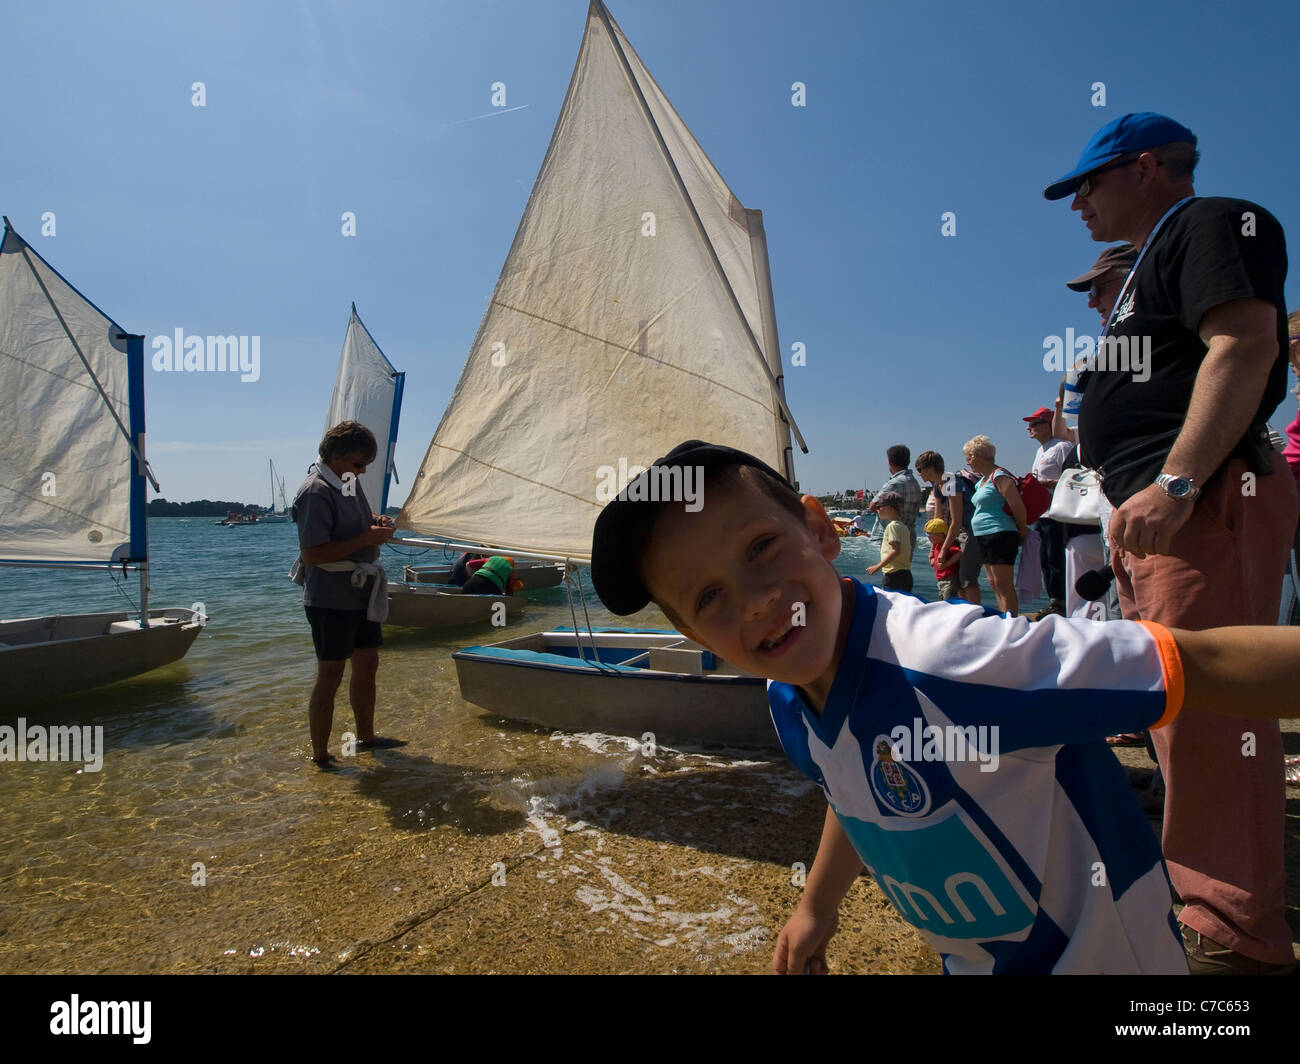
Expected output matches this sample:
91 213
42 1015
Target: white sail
632 313
65 477
367 389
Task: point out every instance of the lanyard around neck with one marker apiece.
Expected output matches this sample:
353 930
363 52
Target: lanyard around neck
1119 300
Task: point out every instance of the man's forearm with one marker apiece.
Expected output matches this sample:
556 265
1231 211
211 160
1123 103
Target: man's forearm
1227 393
333 552
954 519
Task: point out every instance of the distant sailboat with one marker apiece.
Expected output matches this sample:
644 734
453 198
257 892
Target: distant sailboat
272 516
634 311
72 489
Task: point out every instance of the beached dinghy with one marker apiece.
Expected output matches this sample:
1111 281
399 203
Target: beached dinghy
534 575
634 311
72 491
431 606
630 681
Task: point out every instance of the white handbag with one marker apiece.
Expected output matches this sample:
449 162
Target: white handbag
1077 498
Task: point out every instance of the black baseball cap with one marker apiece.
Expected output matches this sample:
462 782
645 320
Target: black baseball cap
621 527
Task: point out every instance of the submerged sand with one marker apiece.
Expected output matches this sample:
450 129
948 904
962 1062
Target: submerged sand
670 864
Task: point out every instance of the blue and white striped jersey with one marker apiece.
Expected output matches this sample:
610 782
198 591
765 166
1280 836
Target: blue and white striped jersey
963 753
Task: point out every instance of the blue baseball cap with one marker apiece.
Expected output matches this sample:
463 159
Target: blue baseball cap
1125 135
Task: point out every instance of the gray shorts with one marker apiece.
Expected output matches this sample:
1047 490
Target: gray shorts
972 561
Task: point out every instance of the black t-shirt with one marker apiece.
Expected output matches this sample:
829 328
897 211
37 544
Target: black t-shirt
1201 257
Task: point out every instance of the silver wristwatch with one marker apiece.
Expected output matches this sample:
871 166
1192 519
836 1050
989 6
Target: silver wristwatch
1182 488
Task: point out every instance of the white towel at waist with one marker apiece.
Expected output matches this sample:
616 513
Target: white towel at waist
377 609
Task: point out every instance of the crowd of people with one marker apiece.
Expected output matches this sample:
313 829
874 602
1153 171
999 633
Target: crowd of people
980 516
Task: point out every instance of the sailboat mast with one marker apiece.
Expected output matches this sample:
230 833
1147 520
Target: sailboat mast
140 470
771 341
390 467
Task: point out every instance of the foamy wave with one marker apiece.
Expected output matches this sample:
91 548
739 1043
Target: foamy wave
735 926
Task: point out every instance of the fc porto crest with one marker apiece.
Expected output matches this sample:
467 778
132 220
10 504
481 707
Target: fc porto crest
896 783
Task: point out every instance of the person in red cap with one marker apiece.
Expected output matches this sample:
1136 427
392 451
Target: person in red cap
1051 459
1204 508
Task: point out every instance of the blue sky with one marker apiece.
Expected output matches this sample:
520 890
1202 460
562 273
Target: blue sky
225 219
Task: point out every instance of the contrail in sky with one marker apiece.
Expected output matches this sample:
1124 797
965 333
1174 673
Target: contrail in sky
502 111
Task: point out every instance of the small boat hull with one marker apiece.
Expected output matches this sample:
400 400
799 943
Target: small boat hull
534 575
51 657
431 606
648 681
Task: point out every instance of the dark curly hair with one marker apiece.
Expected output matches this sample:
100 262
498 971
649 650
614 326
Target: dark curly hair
349 437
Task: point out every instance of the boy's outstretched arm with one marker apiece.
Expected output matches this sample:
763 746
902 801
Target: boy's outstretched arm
1247 671
801 946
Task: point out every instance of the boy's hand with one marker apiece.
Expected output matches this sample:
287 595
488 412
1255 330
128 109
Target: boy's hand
872 570
378 534
801 946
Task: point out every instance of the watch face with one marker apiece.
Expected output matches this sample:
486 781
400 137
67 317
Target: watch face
1179 486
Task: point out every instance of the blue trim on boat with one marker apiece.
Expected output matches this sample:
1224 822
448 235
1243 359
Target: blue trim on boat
397 407
544 658
392 433
59 562
19 237
135 397
536 659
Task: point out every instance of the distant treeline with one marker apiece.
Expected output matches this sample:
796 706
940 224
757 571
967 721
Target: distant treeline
216 508
200 508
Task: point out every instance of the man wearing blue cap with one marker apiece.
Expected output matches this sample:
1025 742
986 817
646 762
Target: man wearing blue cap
1174 418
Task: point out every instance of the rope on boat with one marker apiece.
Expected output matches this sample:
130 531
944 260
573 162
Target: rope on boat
572 577
117 584
582 597
569 578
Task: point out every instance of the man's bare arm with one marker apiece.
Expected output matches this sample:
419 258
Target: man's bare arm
1242 339
338 550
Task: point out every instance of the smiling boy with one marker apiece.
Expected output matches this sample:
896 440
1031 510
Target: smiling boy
1045 864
